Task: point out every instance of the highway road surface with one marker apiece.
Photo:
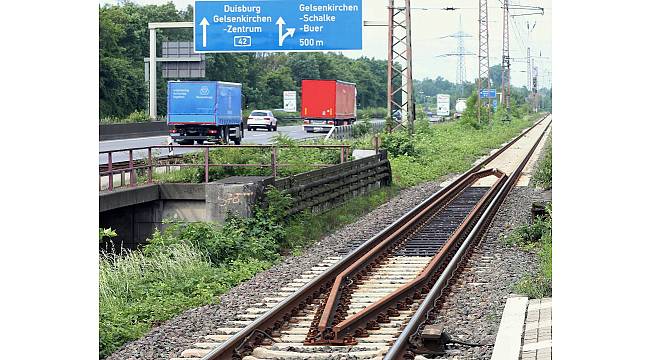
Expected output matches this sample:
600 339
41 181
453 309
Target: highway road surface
250 137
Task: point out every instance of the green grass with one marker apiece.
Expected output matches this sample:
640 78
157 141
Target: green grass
536 237
138 291
436 151
306 228
297 158
543 176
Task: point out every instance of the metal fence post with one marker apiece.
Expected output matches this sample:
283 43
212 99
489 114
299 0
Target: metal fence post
150 168
274 160
110 171
206 157
132 175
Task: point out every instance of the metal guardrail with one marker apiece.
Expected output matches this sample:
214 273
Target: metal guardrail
132 130
151 162
346 131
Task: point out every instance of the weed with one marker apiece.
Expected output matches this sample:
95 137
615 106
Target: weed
543 176
138 290
536 237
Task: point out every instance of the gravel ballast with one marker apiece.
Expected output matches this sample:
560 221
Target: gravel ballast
472 310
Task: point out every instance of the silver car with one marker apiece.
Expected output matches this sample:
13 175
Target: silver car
262 119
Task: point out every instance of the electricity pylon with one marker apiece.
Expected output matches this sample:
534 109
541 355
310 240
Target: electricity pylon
400 64
505 60
483 81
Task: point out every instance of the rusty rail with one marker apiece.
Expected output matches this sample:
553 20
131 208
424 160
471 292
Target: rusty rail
149 164
327 317
359 320
272 321
401 348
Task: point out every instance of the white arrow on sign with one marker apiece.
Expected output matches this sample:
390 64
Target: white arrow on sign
204 23
281 37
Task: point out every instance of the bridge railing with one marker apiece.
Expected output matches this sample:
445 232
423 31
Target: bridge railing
144 159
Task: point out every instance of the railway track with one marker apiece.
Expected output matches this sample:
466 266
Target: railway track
373 303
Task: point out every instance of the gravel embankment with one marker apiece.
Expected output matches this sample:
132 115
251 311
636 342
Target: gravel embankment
472 311
174 336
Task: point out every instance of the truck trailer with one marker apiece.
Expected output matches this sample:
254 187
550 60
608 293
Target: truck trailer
204 111
328 103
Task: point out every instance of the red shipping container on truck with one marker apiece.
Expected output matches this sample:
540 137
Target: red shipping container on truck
327 103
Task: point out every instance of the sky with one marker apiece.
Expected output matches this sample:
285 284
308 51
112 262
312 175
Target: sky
429 23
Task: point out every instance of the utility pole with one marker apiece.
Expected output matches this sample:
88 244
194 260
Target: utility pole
505 59
400 65
483 81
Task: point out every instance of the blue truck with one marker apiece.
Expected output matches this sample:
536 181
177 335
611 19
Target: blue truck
204 111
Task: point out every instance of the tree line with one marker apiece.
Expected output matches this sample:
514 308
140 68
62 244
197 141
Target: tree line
124 43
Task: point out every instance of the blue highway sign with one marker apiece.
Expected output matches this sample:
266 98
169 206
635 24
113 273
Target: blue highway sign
488 93
277 25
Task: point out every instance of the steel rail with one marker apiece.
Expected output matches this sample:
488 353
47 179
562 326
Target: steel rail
334 296
362 317
282 312
399 350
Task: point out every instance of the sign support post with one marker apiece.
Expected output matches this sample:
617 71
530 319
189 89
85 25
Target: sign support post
153 110
153 61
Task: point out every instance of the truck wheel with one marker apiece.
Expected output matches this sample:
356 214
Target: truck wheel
249 128
237 141
199 142
269 128
275 128
186 142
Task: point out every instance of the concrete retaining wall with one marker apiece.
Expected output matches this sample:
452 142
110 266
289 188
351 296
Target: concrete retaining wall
134 213
134 130
322 189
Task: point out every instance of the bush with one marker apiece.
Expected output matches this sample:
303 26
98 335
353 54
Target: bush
134 117
470 115
372 113
258 237
186 265
361 128
398 143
